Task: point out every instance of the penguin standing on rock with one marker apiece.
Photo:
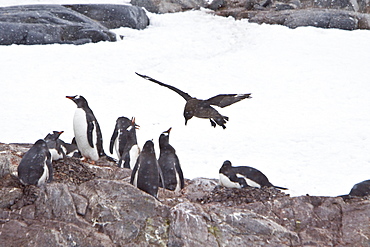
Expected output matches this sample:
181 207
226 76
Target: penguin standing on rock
147 173
170 164
86 129
124 141
243 176
55 145
203 108
35 167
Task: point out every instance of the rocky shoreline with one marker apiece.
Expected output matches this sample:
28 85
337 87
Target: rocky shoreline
85 23
94 205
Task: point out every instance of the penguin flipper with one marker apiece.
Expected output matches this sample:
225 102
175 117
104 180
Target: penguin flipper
179 171
50 168
161 178
133 173
90 129
113 139
280 188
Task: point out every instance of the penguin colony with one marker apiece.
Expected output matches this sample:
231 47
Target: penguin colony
149 173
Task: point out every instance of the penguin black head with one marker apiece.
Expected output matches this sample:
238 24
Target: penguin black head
226 164
148 147
164 138
40 143
123 122
53 136
133 125
80 101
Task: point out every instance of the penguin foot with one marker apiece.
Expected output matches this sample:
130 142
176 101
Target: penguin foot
226 118
86 160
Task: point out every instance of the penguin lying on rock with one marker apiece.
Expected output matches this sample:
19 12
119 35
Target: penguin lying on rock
87 130
124 141
71 149
55 145
35 167
170 164
147 173
243 176
359 190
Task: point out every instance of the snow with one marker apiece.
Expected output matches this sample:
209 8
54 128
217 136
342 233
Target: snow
306 127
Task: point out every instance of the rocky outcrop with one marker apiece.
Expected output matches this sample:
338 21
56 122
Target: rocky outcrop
70 24
94 205
342 14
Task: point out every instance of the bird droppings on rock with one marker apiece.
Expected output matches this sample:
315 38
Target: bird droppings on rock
232 197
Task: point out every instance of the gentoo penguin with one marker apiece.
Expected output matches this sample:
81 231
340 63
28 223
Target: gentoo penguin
243 176
124 141
170 164
147 173
86 129
202 108
35 167
359 190
71 150
55 145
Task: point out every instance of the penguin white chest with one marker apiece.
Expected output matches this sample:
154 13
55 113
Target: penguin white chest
178 181
117 144
134 154
45 175
55 155
80 129
226 182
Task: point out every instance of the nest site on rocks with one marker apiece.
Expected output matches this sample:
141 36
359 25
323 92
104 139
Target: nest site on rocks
231 197
71 170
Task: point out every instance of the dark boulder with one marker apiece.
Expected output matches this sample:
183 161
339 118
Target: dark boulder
48 24
317 18
113 15
340 14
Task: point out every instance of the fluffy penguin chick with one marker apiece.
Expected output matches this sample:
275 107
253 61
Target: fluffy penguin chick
55 145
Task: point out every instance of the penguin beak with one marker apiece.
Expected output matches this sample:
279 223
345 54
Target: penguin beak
134 124
168 131
186 121
70 97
